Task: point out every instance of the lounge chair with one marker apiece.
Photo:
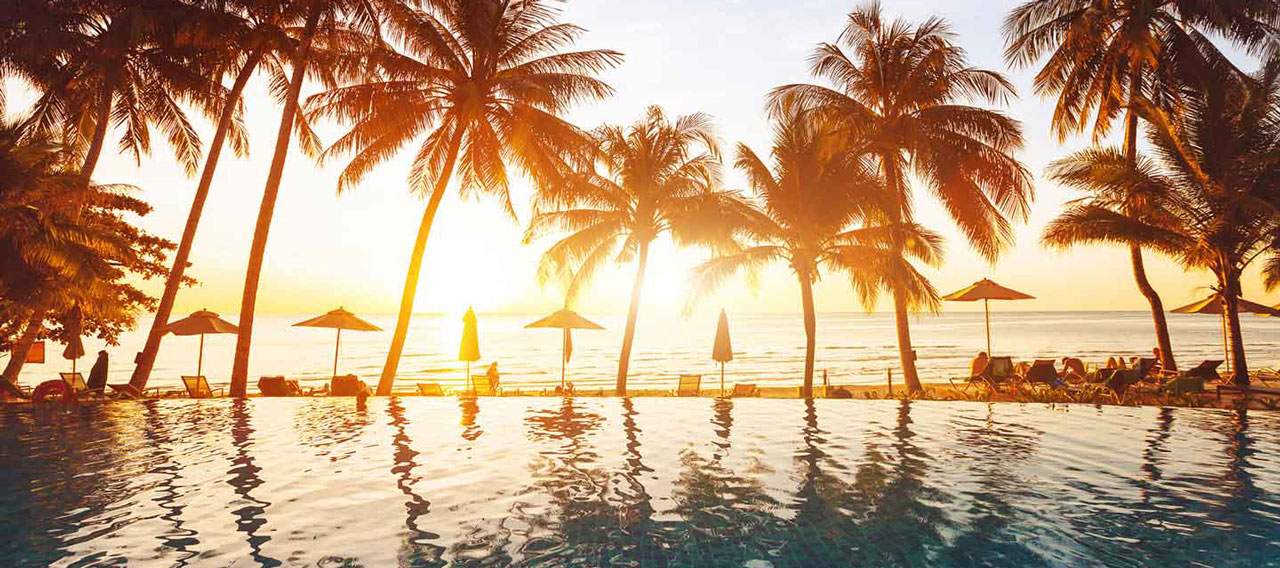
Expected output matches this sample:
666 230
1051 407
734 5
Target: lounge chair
1043 373
1120 381
430 389
742 390
129 391
346 385
75 381
689 385
279 386
198 387
15 390
997 373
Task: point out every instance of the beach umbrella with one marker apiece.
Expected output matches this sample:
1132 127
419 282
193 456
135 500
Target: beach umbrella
1213 305
338 319
565 320
722 351
470 349
986 290
201 323
75 347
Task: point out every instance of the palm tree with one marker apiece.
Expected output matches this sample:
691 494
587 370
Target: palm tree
101 65
653 177
901 90
334 37
240 34
65 248
1210 195
482 84
820 206
1101 55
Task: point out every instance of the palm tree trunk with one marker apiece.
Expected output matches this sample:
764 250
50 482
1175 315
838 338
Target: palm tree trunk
1135 252
101 127
906 354
629 334
18 352
1230 284
240 368
810 331
415 270
1157 308
146 360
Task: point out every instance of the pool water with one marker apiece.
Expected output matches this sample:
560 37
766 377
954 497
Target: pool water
643 482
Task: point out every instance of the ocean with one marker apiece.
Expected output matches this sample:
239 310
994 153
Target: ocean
853 348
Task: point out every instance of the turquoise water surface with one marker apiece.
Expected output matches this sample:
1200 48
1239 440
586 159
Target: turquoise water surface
643 482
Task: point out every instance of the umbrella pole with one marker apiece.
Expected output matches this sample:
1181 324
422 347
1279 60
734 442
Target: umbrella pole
722 379
336 345
986 310
73 365
200 357
469 381
564 356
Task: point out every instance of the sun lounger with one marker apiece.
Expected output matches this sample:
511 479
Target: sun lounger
279 386
689 385
75 381
346 385
198 387
14 390
742 390
483 386
1043 373
997 373
430 389
129 391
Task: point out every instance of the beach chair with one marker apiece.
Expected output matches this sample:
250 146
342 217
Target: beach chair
1042 373
485 387
997 373
15 391
689 385
346 385
1121 380
131 392
430 389
742 390
75 381
198 387
279 386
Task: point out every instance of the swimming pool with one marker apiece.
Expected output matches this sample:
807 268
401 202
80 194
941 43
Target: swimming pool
642 482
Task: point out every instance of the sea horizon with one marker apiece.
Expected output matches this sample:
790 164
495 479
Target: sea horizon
853 348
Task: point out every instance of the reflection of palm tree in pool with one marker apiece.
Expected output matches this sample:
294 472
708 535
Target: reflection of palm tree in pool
244 479
900 517
724 516
417 550
996 451
160 437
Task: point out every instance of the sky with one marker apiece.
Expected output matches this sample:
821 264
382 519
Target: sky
715 56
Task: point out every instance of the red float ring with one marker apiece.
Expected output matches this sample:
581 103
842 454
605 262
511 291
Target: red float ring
52 391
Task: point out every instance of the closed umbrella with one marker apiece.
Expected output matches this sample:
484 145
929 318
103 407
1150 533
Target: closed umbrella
338 319
201 323
470 349
565 320
986 290
75 347
1213 305
722 351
